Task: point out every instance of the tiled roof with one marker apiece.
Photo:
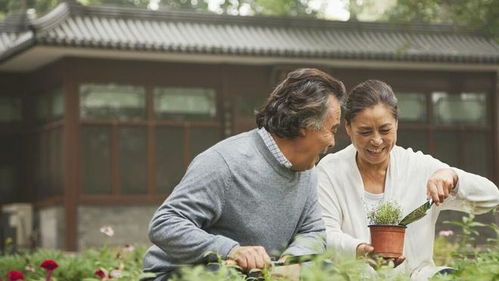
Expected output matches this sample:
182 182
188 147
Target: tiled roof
105 27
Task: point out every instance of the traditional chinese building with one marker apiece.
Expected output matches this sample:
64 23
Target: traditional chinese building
102 108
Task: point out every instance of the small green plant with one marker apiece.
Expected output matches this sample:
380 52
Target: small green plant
386 213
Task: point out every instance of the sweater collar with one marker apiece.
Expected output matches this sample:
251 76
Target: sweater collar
269 141
269 157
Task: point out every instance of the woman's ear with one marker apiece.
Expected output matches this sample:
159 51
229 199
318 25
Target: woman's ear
348 128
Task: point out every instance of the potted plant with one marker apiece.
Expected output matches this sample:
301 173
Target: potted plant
387 236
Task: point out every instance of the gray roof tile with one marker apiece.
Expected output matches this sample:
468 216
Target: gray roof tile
188 32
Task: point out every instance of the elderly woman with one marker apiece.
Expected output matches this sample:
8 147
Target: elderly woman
372 170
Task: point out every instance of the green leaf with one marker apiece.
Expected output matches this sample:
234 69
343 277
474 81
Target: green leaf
147 275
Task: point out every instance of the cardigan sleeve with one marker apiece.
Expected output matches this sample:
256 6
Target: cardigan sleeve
474 194
338 241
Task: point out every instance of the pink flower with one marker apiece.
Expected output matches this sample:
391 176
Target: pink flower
28 268
49 266
446 233
15 275
107 230
128 248
101 273
115 273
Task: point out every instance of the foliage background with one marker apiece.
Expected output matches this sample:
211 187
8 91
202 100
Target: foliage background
480 15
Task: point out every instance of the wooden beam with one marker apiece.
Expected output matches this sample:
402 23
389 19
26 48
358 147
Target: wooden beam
152 187
71 158
495 126
130 199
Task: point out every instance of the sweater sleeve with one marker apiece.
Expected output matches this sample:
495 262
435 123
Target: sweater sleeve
197 201
342 243
310 237
474 194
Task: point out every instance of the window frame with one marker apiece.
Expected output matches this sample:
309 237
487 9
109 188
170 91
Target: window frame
461 129
151 124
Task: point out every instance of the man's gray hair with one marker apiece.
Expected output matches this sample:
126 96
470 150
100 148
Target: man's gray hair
300 101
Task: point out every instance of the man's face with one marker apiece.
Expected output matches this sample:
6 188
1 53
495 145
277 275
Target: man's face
317 142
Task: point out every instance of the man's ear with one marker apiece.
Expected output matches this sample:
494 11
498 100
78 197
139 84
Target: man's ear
302 132
348 128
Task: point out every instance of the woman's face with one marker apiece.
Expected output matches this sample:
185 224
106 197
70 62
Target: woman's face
373 132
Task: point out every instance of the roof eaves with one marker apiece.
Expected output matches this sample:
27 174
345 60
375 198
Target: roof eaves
23 42
53 18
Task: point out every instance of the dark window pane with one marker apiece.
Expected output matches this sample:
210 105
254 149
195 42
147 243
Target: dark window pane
10 168
169 157
59 167
54 168
96 159
50 106
447 147
43 180
10 109
478 153
412 107
185 103
112 102
43 108
248 104
415 139
9 183
464 108
37 160
57 104
133 159
202 138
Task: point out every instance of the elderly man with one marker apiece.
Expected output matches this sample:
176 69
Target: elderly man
253 196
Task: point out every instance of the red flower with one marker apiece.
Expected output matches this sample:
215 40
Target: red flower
15 275
101 273
49 265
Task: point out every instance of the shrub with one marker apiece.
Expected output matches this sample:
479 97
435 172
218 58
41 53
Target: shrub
386 213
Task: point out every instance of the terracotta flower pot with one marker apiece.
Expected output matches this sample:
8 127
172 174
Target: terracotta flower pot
387 240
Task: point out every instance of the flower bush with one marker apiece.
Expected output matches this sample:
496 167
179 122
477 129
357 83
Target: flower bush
117 264
125 263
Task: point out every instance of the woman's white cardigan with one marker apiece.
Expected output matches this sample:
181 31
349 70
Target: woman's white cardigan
341 193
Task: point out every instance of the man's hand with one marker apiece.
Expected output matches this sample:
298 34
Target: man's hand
440 184
286 272
363 250
250 257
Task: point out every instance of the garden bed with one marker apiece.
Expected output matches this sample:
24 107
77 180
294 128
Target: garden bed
125 263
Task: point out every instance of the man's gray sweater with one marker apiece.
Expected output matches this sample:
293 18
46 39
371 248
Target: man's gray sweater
236 193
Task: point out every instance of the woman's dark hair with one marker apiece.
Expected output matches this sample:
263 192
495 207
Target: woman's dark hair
369 93
300 101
